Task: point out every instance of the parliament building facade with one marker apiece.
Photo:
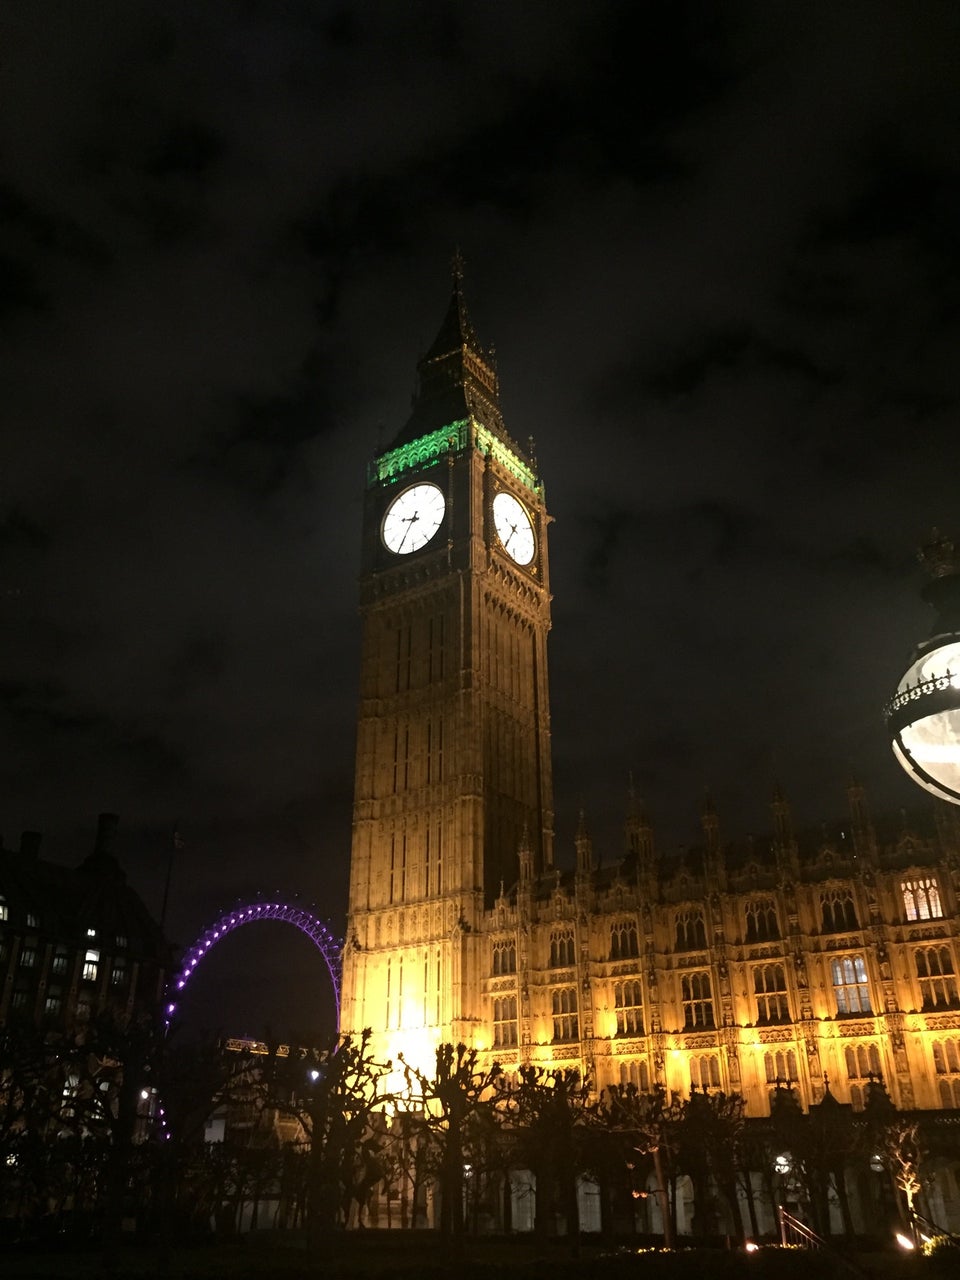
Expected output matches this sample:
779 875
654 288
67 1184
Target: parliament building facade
820 965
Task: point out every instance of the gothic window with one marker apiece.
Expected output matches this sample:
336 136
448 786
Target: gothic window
697 1001
28 958
624 944
705 1072
762 925
33 920
946 1063
863 1065
119 975
637 1074
691 932
921 898
770 988
504 1022
938 984
850 985
562 950
504 957
628 998
837 911
60 960
863 1061
780 1066
566 1024
53 1003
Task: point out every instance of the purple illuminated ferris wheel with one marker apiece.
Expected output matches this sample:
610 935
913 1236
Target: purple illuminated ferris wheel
329 946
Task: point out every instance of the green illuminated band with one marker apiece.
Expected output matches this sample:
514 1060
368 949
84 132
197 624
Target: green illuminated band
430 448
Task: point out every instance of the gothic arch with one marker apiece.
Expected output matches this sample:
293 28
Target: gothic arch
316 930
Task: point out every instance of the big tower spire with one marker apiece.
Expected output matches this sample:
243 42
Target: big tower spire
457 377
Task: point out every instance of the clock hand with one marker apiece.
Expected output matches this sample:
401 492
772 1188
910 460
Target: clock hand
409 520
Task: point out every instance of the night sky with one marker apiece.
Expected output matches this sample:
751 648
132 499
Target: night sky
715 246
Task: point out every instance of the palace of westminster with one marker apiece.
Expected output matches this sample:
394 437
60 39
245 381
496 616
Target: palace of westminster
821 967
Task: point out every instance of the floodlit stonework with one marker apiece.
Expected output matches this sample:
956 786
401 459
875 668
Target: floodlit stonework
809 963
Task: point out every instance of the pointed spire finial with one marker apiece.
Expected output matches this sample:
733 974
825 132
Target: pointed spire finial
457 265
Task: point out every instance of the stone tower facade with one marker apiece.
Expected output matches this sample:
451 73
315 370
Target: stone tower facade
453 773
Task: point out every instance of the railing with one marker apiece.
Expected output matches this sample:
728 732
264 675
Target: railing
930 1228
800 1236
946 685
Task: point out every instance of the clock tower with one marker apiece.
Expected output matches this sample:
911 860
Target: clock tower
453 769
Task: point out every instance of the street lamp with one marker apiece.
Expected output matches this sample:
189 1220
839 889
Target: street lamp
923 717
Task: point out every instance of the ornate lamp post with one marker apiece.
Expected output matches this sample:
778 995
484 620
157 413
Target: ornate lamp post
923 716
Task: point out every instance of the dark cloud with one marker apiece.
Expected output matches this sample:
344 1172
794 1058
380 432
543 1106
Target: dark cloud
714 246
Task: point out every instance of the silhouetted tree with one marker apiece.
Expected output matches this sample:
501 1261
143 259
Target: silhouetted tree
445 1107
334 1094
553 1112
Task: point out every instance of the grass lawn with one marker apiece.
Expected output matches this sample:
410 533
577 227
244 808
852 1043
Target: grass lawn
392 1256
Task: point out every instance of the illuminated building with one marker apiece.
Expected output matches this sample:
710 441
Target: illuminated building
75 942
789 961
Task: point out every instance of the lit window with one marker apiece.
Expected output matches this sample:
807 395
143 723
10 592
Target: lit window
628 998
122 942
762 923
691 933
119 975
705 1071
504 1021
91 933
850 986
566 1023
4 910
921 899
697 1001
53 1004
504 957
938 985
780 1066
562 950
90 963
33 920
624 943
71 1088
770 989
19 1000
59 963
28 958
837 911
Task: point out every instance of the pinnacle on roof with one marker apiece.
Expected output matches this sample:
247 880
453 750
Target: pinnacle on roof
456 332
457 378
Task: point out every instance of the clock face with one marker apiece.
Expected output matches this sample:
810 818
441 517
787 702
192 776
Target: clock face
412 518
513 528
